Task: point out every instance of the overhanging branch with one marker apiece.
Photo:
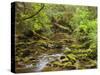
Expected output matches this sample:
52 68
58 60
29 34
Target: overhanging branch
42 6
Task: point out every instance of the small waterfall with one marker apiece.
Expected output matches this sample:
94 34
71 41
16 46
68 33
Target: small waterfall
45 59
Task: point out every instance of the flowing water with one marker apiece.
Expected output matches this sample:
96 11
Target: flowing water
45 59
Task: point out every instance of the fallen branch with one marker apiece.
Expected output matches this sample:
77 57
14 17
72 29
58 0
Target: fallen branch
62 27
25 43
40 36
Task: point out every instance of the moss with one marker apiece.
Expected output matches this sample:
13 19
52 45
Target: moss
65 60
70 67
75 46
26 59
72 57
67 64
57 63
67 51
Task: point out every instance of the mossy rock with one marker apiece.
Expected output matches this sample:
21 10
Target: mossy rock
67 64
26 59
89 63
57 63
67 51
51 69
65 60
72 67
75 46
93 46
48 69
17 59
24 70
72 57
62 57
41 41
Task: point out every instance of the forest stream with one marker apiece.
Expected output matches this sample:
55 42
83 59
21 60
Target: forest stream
54 37
57 58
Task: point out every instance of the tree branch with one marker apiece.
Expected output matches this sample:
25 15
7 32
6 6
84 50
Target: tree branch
62 27
42 6
40 36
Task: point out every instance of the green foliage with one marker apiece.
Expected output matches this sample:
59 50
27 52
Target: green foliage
53 29
84 25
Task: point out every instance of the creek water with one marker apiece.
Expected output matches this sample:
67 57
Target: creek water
45 59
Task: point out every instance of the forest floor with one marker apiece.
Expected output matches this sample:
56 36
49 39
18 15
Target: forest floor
59 52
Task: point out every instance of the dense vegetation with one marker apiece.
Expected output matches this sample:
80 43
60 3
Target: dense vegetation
45 30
